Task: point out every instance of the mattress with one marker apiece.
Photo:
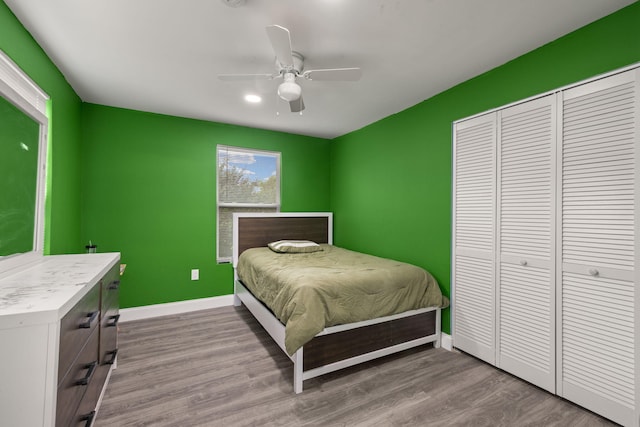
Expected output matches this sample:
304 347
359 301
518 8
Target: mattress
310 291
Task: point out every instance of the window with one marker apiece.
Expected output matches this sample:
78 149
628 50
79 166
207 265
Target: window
248 181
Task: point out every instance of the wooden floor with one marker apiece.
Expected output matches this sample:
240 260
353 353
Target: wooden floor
219 368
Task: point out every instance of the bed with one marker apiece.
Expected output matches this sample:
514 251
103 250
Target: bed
334 344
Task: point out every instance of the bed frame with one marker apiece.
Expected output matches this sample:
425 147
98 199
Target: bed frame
335 347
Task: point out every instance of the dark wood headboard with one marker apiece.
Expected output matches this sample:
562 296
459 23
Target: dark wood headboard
255 231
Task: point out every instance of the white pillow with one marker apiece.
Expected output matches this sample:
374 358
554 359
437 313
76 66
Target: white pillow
294 246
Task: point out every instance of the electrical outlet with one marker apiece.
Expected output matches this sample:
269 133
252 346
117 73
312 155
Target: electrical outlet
195 274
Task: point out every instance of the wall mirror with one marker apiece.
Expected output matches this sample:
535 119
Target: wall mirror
23 143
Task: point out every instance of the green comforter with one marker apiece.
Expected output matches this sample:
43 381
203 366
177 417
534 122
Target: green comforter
310 291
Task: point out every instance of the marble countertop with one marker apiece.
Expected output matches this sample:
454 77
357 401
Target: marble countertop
45 288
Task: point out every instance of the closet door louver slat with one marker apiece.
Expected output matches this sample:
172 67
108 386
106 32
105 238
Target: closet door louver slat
598 249
526 178
473 261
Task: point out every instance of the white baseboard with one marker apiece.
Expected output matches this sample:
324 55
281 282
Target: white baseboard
149 311
446 342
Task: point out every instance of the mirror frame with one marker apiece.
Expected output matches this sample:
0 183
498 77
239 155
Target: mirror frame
17 88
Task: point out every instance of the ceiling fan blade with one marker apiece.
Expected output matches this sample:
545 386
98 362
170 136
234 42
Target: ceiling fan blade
244 77
336 74
281 42
297 105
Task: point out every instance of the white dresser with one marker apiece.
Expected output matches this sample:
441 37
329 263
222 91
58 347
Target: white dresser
58 335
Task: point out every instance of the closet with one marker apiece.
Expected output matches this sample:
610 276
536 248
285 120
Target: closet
545 225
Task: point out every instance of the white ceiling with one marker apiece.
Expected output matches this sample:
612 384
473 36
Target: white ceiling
163 56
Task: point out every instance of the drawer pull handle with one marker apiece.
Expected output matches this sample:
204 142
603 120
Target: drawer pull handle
594 272
91 368
114 285
91 317
113 321
523 262
88 418
113 354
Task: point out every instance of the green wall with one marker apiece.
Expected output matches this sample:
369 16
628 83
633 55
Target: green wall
391 181
62 220
149 192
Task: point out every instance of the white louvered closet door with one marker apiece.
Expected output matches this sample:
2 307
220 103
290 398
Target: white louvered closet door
473 270
526 234
598 351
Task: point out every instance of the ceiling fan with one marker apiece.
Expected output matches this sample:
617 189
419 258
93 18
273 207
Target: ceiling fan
290 66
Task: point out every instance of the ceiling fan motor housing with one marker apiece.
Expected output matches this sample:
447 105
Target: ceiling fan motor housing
298 64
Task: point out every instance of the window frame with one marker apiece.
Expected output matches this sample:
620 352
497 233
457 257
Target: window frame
219 204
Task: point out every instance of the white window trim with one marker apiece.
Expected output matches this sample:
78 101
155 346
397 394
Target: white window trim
25 94
276 205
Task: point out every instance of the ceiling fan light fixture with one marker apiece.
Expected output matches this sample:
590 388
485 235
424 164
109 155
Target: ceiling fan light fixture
289 90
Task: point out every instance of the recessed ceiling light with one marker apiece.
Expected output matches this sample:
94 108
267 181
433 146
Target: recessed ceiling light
254 99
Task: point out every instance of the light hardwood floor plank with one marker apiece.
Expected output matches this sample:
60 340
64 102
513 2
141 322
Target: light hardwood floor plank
218 367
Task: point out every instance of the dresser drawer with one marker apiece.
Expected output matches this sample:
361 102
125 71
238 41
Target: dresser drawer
109 316
77 381
111 284
91 397
76 327
109 334
108 352
86 411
